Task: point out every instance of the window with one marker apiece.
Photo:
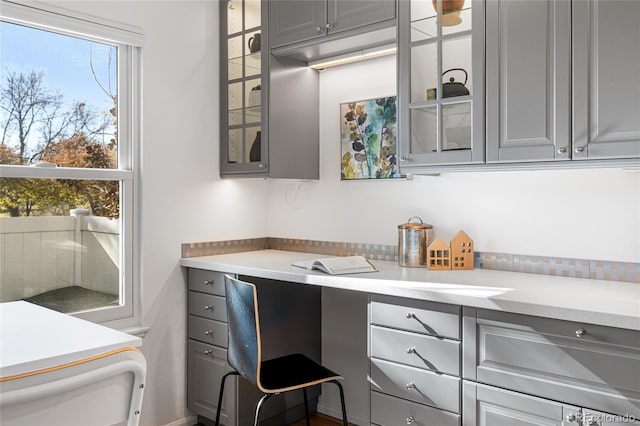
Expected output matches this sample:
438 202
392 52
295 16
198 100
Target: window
69 115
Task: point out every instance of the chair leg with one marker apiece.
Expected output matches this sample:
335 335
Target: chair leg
259 406
306 406
224 378
344 409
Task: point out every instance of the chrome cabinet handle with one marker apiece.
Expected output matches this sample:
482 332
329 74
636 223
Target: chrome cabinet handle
262 165
208 352
411 385
580 332
562 150
579 149
329 26
410 420
208 307
208 333
411 315
208 282
571 418
320 29
411 350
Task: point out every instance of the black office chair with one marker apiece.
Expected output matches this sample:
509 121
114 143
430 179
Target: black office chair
244 353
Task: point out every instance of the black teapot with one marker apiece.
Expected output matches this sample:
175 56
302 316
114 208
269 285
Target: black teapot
455 88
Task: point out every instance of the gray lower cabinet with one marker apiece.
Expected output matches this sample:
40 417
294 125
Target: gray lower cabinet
206 347
492 406
295 21
522 369
415 362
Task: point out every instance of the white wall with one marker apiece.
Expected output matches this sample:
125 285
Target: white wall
183 197
589 214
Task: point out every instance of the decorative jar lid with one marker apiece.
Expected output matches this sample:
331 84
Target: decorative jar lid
413 225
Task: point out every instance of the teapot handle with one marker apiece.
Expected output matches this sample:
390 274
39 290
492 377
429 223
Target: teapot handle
466 75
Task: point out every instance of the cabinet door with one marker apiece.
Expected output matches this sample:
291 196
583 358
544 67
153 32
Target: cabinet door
441 83
206 364
489 406
243 129
528 80
606 88
292 21
347 14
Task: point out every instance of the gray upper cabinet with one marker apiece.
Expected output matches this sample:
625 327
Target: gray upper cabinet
562 80
264 131
606 88
528 80
295 21
440 83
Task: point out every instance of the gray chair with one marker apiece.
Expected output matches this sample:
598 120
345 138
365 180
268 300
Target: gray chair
244 353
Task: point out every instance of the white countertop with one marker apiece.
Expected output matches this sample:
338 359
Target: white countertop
33 338
608 303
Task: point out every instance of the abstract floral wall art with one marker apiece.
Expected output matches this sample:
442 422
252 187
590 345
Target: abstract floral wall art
368 139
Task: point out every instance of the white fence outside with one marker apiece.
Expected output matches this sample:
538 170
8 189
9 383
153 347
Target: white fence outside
38 254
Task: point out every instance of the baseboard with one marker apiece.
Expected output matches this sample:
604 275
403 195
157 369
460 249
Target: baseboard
336 412
185 421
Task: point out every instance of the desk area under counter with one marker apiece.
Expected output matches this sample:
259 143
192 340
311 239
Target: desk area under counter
551 349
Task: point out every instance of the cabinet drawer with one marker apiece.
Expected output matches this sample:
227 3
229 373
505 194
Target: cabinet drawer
546 357
414 384
208 331
415 349
207 306
389 411
436 319
205 281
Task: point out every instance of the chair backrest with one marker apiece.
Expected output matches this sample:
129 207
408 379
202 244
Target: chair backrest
243 325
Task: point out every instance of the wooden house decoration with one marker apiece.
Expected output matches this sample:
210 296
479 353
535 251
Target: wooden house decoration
461 251
439 255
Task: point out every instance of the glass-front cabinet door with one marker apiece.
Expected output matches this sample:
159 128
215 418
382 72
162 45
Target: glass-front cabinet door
441 82
243 90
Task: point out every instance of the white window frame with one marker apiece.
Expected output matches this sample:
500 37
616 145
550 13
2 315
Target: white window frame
128 41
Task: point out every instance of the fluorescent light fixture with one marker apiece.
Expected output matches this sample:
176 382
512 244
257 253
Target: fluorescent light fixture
353 57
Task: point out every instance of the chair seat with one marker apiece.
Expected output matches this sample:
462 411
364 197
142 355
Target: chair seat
293 372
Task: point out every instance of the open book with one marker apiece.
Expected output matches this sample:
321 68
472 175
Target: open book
338 265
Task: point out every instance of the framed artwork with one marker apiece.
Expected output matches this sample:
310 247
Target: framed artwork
368 139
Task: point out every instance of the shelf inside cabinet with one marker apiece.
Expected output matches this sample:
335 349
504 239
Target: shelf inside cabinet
251 62
252 115
427 27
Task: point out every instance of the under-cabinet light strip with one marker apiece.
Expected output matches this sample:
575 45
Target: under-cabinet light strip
352 57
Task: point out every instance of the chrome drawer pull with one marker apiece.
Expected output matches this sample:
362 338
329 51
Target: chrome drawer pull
411 350
208 333
571 418
410 420
208 307
411 315
580 332
207 352
208 282
411 385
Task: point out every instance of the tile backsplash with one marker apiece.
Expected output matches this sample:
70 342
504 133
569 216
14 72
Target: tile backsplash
544 265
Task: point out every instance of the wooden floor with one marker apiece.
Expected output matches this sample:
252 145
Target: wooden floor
318 419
